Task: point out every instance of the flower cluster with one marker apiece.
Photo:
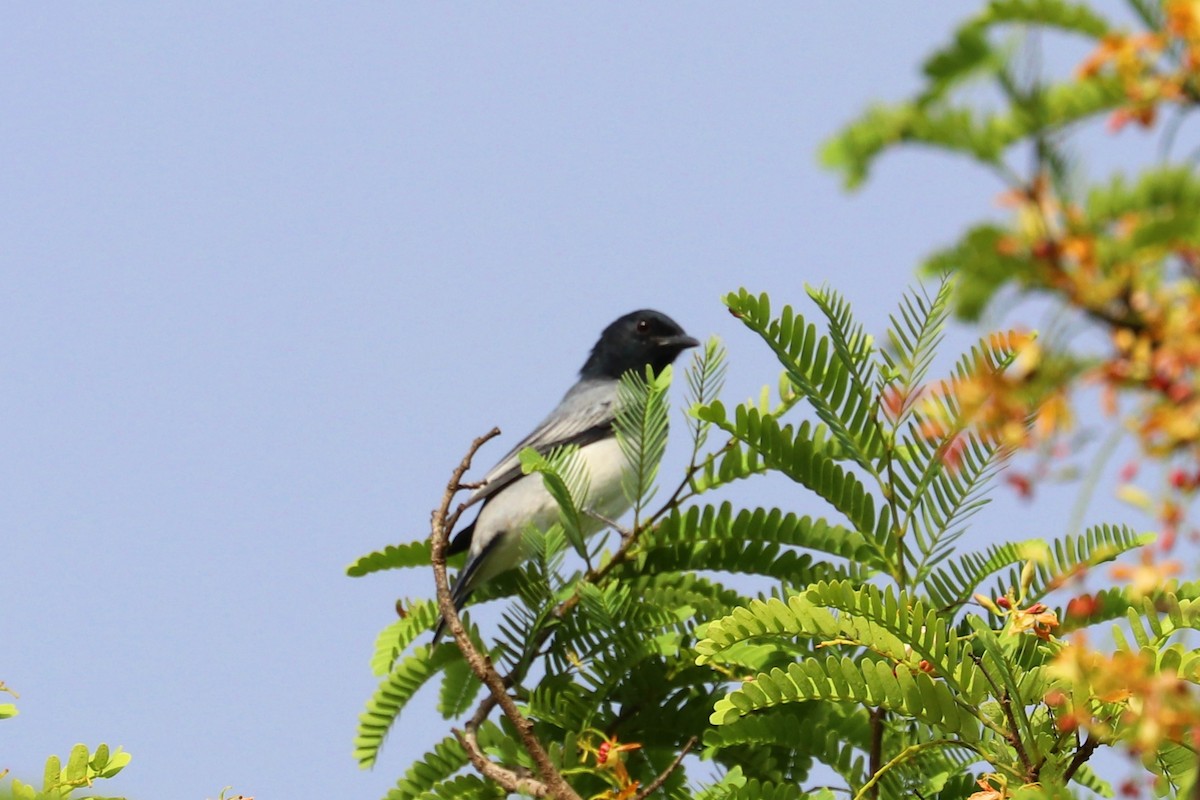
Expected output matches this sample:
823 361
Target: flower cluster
1154 67
1123 697
608 757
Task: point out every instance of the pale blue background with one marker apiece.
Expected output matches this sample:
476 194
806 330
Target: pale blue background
268 268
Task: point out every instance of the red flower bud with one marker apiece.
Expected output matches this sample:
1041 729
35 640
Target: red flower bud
1082 607
1178 478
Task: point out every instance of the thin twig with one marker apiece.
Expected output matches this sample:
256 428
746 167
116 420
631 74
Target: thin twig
871 787
1013 734
552 783
656 784
481 713
611 523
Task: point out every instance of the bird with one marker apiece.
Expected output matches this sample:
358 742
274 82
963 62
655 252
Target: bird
584 417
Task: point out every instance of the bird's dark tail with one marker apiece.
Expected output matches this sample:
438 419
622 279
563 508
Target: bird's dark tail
459 594
461 589
461 541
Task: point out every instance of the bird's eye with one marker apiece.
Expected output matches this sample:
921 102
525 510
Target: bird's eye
643 325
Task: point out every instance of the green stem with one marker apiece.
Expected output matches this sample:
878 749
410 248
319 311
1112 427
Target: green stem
903 756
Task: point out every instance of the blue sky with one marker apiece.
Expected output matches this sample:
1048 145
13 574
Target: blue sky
268 270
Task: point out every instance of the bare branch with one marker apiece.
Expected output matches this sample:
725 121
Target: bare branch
510 780
552 784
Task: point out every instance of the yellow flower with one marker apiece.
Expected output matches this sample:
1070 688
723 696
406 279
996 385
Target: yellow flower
1038 619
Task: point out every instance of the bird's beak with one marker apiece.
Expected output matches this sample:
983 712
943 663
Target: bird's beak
682 341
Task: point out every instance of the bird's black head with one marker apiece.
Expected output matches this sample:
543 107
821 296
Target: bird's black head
635 340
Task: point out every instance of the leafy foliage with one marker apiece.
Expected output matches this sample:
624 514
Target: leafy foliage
641 428
59 782
7 709
1120 255
82 769
861 636
874 647
1119 252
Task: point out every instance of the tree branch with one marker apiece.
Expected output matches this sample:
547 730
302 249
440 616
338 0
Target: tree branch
878 715
510 780
552 783
1081 757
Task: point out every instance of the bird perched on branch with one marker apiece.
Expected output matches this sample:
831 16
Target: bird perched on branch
584 418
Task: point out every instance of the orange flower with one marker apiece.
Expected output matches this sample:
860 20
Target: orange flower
1080 249
990 792
624 793
1105 52
1183 20
1038 619
1122 696
1143 115
1149 577
608 756
1082 607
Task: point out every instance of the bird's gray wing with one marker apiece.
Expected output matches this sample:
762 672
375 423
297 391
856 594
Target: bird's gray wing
585 415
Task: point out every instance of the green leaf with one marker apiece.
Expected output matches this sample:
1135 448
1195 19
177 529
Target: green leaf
934 492
720 523
733 462
412 554
913 337
1069 554
460 687
438 766
76 772
117 761
566 479
419 617
100 758
1075 17
953 583
394 692
803 457
705 378
982 136
833 373
641 430
983 265
867 682
1114 602
52 774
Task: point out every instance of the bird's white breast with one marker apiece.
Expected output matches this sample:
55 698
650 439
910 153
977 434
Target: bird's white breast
606 465
527 501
